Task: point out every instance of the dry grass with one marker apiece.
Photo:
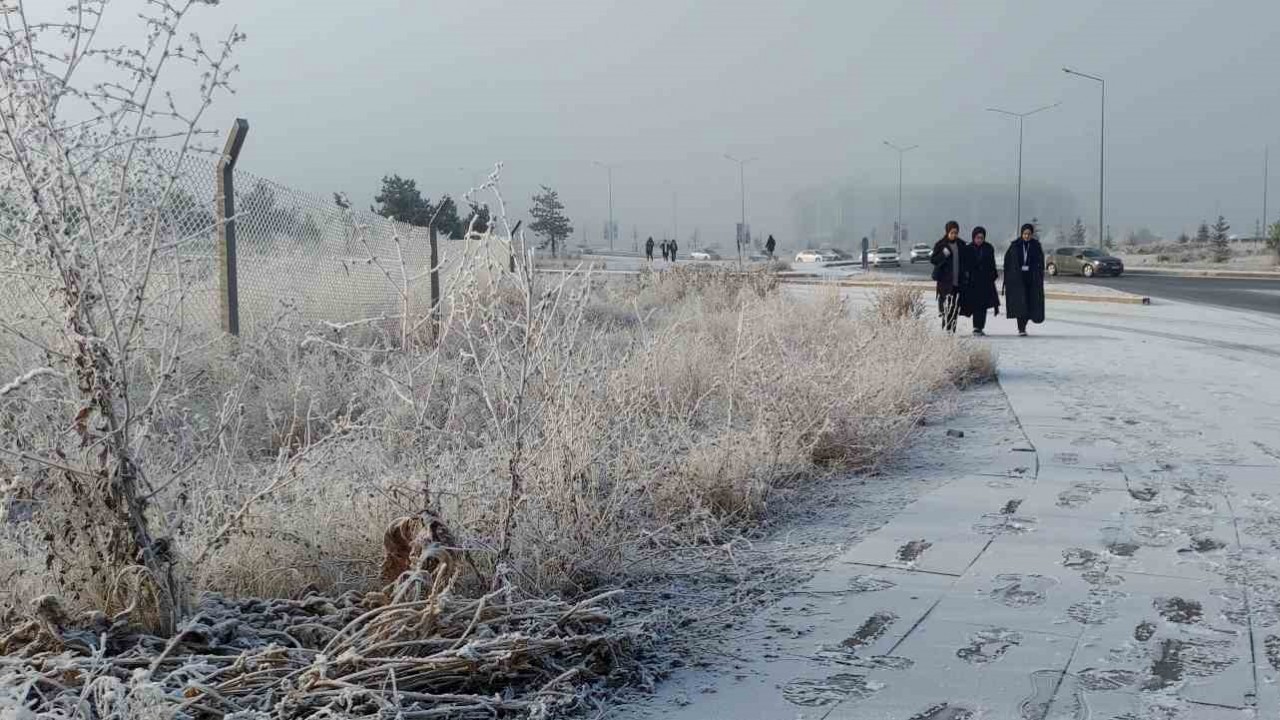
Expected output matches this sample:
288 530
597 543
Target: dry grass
684 404
898 302
660 411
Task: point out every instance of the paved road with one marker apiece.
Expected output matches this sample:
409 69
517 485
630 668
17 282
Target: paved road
1262 295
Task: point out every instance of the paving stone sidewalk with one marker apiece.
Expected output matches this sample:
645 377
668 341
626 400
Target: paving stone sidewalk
1121 563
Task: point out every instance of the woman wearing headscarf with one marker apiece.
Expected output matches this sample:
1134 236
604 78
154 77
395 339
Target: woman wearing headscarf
1024 280
981 292
949 271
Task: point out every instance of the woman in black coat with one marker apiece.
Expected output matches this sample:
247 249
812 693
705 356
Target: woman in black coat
1024 280
950 265
648 249
981 292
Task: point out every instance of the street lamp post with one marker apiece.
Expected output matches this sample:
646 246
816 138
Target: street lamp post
897 235
742 189
1102 148
1017 214
609 171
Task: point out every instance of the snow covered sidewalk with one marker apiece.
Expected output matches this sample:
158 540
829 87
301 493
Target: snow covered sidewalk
1118 562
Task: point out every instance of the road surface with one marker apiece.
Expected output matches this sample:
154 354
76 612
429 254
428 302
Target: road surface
1261 295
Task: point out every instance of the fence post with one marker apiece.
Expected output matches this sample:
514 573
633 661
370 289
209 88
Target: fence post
224 210
435 284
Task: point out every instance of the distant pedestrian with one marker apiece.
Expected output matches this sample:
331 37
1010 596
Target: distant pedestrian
980 293
648 248
671 248
950 264
666 254
770 245
1024 280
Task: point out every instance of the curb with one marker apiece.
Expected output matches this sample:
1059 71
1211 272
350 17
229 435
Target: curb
1188 272
1125 299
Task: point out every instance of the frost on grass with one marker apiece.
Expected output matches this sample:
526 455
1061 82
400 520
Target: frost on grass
430 511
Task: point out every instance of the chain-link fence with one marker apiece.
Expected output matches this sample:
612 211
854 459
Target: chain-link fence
298 255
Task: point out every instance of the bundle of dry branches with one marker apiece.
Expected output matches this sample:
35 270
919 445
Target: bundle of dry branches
416 650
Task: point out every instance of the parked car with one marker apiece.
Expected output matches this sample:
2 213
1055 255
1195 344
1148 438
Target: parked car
1084 261
884 257
704 255
812 256
920 253
835 254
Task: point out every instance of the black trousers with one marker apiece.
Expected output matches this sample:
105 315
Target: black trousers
949 309
1022 324
979 318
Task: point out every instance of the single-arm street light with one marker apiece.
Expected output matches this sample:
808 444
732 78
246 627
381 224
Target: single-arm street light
897 234
609 170
1017 214
1102 149
742 189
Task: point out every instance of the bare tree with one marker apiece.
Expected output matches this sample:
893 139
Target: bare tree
89 172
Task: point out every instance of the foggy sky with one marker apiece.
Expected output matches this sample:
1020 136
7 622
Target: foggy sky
340 93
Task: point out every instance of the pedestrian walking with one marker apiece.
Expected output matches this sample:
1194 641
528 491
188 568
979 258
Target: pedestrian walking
648 249
665 253
981 294
769 246
1024 280
949 268
671 248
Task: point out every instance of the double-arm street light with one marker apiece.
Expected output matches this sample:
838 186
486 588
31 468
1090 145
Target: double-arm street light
1017 214
897 235
609 170
742 189
1102 149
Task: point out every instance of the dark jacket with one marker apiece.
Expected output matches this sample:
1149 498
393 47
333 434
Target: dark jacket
980 295
672 247
648 246
942 265
770 244
1024 293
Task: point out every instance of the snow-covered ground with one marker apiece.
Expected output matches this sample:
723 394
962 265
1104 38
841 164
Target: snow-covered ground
1101 543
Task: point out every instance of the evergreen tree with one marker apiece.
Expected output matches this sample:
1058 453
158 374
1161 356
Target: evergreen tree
1078 233
1273 237
1221 248
478 219
444 217
401 200
549 219
1202 234
340 199
1184 239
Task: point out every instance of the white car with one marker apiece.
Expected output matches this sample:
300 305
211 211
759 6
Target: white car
920 252
884 257
704 255
812 256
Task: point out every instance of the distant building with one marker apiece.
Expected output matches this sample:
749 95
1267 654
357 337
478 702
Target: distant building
839 216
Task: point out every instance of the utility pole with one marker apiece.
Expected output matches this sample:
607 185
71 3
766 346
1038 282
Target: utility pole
1266 175
1102 147
1017 213
612 230
897 235
742 189
675 216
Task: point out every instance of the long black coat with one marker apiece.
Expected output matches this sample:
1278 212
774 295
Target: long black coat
942 265
980 294
1024 299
